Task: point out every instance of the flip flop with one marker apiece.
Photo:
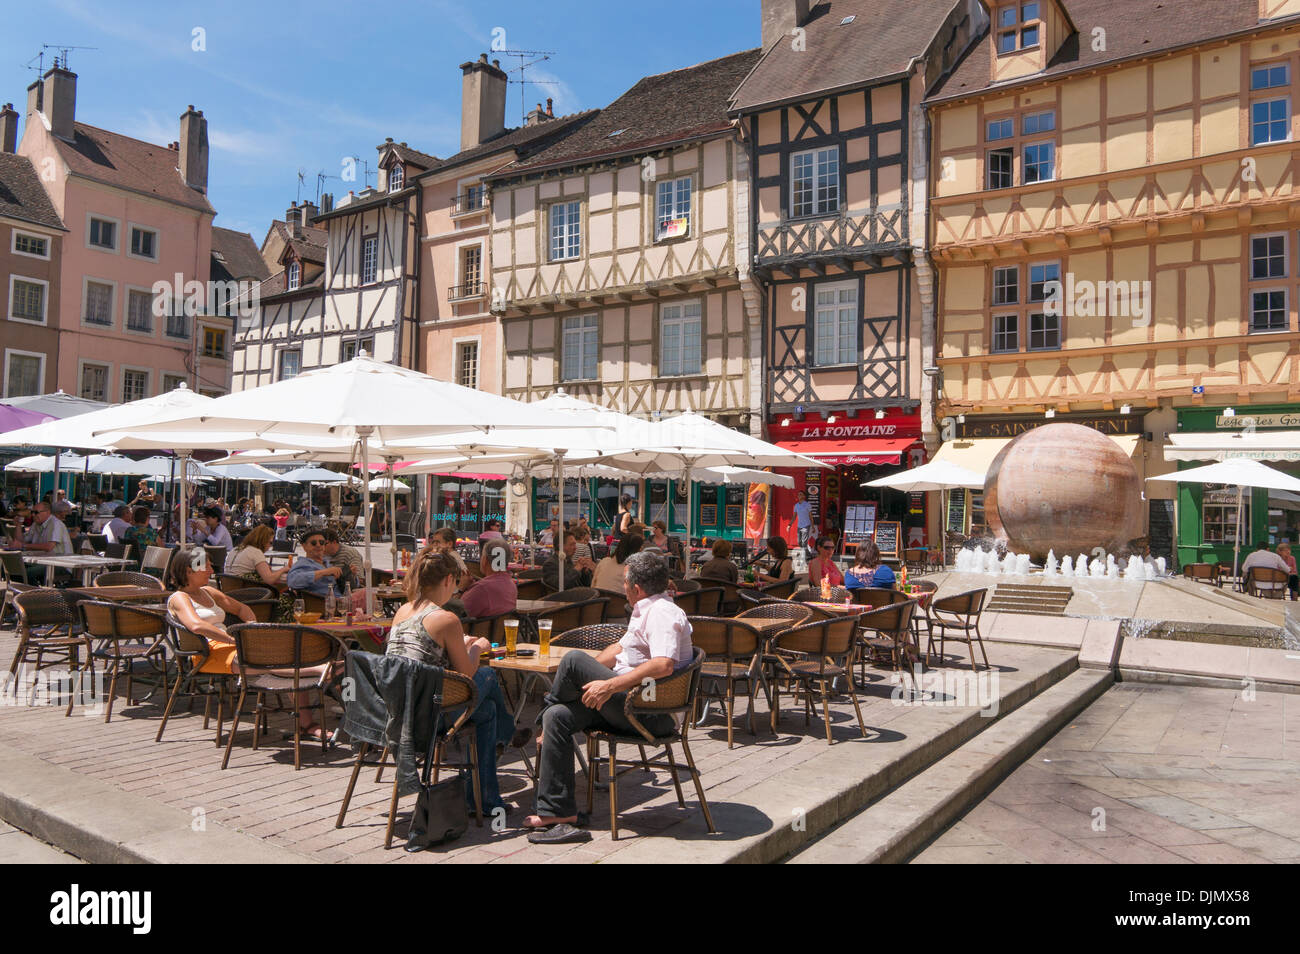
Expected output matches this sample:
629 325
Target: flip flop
583 821
561 834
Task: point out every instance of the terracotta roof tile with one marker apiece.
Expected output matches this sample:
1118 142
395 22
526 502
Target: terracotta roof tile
239 255
524 140
404 152
127 163
21 194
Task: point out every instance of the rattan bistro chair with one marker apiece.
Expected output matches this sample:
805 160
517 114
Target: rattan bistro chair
815 652
796 613
14 573
574 594
674 696
280 658
886 630
572 615
128 578
733 653
706 601
1203 573
1276 580
47 627
594 636
526 589
782 589
876 596
125 635
191 651
958 618
813 594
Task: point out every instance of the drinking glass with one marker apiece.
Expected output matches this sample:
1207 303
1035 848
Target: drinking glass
299 607
543 637
512 636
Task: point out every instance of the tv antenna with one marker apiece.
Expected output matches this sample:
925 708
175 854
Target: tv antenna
365 171
540 57
321 178
60 56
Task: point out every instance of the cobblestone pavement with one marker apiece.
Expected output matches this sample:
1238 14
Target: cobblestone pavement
1148 773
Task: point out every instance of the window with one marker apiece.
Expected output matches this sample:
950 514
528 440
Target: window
369 259
471 200
1001 168
1040 162
1268 311
1219 513
1271 76
37 246
351 349
396 176
815 182
103 234
1018 27
99 303
1040 276
1268 257
24 373
1006 285
1005 333
835 324
1044 332
581 339
290 364
471 273
679 338
214 342
139 311
566 230
144 242
467 364
294 276
27 299
673 209
94 382
135 385
1001 129
172 381
1036 123
1270 121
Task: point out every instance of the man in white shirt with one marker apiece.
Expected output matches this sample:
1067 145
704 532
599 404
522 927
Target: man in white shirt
1264 557
116 528
547 537
589 692
217 533
48 534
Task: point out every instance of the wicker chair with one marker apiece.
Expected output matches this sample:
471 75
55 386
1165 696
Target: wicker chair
491 628
674 695
595 636
687 586
815 651
98 541
782 589
572 615
118 551
155 558
265 651
126 634
1258 575
48 627
731 596
246 592
892 626
14 573
575 594
914 558
191 651
128 578
530 589
813 594
310 601
749 598
229 582
700 602
796 613
733 653
1203 573
958 614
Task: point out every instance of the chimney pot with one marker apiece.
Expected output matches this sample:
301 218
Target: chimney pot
8 128
389 139
549 110
193 146
482 57
779 17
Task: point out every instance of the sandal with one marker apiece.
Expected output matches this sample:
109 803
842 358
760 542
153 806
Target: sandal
315 733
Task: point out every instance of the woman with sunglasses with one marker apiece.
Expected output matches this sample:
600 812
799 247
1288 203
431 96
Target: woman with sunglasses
823 564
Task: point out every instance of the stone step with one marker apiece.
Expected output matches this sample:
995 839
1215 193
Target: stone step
1030 598
1065 591
897 826
1026 611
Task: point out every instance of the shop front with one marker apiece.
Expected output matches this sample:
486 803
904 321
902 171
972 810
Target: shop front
1208 522
855 450
719 508
465 502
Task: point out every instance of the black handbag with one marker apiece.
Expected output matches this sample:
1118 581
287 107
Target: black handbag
440 814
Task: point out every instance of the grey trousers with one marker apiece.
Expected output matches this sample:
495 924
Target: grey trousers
564 717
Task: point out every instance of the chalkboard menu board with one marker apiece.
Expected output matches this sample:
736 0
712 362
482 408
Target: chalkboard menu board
734 514
887 541
1162 530
709 515
957 511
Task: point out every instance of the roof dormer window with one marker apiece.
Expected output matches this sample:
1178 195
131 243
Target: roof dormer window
396 177
1019 26
294 276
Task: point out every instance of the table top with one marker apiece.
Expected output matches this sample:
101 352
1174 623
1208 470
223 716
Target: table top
533 607
78 560
122 594
768 625
839 609
535 664
359 625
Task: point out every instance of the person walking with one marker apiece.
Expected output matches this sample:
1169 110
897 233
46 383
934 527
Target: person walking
802 518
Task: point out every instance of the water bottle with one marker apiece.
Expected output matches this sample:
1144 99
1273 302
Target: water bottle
329 603
347 603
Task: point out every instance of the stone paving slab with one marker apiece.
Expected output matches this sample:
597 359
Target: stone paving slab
19 848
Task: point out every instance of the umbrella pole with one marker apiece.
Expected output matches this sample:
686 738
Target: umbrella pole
558 542
185 495
365 500
392 510
1236 537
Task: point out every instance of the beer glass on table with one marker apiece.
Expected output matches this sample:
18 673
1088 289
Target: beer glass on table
543 638
512 636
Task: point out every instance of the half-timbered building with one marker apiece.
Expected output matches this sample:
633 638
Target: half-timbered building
835 130
1116 228
620 269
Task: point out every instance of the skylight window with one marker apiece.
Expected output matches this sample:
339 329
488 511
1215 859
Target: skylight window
616 132
849 19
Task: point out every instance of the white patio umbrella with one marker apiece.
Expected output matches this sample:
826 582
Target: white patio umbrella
245 471
383 485
312 474
744 475
1239 473
45 464
937 475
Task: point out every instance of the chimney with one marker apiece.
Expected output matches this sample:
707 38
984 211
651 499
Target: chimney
550 111
8 128
326 203
194 149
536 116
60 102
309 212
293 220
782 16
34 99
482 101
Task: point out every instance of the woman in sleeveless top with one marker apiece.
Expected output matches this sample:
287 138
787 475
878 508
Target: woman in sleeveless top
202 609
782 564
625 518
424 631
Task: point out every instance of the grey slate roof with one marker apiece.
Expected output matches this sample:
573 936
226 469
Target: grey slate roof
21 194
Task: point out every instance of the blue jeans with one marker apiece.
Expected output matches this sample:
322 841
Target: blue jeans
493 723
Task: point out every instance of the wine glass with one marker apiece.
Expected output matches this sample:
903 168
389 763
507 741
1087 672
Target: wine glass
299 607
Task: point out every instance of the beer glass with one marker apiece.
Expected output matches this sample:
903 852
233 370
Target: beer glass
512 636
543 638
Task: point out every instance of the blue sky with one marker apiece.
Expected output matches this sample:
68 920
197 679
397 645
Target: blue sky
289 86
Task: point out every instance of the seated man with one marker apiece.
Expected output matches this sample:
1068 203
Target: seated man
589 692
48 534
1263 557
577 570
496 592
116 528
547 537
309 573
340 554
214 533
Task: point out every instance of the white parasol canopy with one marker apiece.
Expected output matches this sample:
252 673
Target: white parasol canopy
939 475
45 464
383 485
313 474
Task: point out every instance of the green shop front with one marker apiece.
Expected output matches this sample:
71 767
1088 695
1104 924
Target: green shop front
1207 515
719 509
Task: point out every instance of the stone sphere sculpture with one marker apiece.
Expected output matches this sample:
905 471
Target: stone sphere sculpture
1063 487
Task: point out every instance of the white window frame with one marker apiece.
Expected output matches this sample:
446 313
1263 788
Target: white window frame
108 378
117 233
396 171
456 345
179 379
580 332
45 300
1024 162
13 244
131 228
680 322
993 333
571 227
1029 283
148 381
846 349
126 312
1286 257
279 363
463 187
26 354
481 245
816 183
1018 28
993 287
1010 152
293 277
1250 119
1047 319
369 242
672 210
358 345
86 281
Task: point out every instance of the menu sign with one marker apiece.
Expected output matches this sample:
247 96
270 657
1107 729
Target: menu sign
887 532
957 511
859 522
977 427
812 490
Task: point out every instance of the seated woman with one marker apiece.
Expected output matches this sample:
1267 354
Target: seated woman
1293 581
867 570
424 631
782 563
720 567
140 536
660 538
609 571
581 533
823 564
249 562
